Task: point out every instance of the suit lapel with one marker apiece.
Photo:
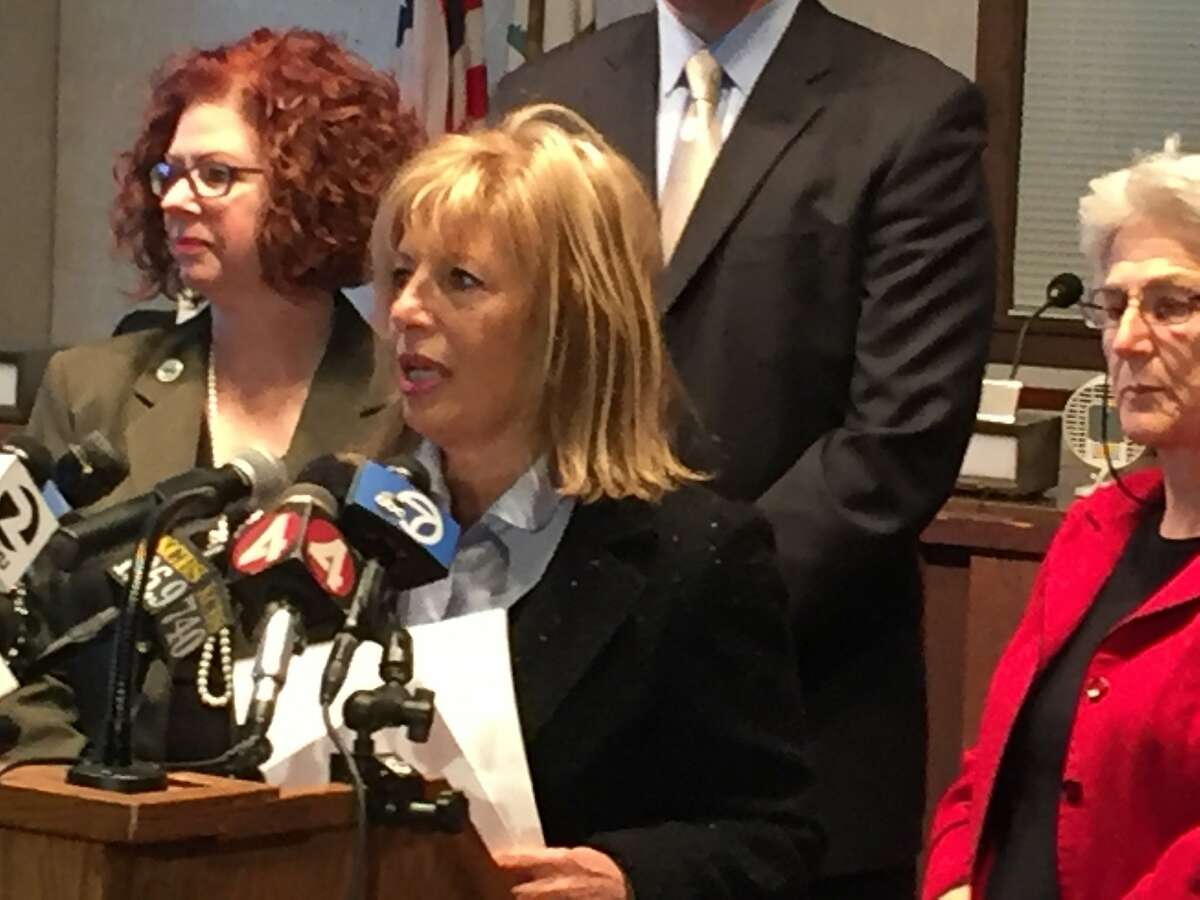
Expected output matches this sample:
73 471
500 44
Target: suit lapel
629 93
332 417
564 623
162 441
786 98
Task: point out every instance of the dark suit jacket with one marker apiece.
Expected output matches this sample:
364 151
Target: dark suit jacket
654 676
828 308
112 386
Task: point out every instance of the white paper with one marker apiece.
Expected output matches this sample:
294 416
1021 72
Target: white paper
8 681
475 744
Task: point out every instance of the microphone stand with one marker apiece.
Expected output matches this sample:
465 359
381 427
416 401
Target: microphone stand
395 791
116 769
1063 292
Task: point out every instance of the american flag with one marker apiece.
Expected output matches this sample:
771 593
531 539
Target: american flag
440 62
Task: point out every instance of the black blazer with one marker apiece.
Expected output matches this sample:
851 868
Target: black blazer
655 681
828 307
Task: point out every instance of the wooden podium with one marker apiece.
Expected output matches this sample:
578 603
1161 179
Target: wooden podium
206 837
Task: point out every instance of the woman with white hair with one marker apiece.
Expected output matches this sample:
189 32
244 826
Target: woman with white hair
651 658
1085 778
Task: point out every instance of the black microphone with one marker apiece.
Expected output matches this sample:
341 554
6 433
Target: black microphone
296 572
294 554
375 520
282 634
1063 292
388 516
33 455
251 474
89 470
359 624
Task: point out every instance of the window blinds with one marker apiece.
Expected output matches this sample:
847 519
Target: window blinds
1103 78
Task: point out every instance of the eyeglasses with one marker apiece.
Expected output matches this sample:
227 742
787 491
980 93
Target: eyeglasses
207 179
1159 303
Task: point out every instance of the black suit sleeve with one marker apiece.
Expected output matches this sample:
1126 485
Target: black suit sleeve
724 754
926 294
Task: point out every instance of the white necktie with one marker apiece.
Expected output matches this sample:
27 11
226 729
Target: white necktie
696 148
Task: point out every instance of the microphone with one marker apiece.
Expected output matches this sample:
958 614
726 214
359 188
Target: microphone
185 595
295 554
389 516
38 462
251 474
89 470
282 635
1063 292
358 626
295 566
26 520
86 472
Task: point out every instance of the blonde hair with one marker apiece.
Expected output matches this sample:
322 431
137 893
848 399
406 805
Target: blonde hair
583 229
1163 187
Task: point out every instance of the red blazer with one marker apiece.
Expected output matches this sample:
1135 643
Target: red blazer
1129 811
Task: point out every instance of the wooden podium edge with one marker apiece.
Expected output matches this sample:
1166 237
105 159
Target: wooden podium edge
218 816
39 799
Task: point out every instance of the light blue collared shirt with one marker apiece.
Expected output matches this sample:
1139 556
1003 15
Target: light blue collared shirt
742 52
501 556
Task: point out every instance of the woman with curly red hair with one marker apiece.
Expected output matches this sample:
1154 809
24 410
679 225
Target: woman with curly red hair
253 184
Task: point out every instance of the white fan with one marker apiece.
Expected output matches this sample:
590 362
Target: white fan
1085 424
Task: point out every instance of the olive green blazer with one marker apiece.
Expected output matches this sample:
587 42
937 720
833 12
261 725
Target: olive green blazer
145 391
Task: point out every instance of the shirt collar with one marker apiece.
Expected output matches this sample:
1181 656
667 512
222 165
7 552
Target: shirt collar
742 52
528 504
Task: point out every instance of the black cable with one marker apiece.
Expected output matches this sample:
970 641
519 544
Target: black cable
1112 469
1016 363
358 859
117 746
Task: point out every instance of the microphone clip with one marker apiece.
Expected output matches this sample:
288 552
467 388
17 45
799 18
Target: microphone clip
396 793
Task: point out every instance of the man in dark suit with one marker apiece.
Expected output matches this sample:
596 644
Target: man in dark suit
827 302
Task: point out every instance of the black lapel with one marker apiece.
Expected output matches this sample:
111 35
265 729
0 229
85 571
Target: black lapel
624 99
588 590
786 98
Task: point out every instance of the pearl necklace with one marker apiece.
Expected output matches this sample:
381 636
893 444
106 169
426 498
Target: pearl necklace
218 537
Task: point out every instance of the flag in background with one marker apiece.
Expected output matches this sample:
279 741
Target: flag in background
468 72
440 62
538 26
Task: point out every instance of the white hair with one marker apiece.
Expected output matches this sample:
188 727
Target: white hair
1163 187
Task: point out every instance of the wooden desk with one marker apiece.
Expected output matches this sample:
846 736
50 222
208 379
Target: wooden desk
979 561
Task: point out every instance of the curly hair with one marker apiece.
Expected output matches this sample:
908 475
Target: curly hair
333 130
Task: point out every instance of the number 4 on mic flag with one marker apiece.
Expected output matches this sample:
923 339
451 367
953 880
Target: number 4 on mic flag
329 558
267 540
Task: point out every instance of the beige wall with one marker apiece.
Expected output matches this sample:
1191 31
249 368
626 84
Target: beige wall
28 79
945 28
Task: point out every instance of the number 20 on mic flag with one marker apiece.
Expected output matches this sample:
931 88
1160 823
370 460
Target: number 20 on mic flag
26 522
